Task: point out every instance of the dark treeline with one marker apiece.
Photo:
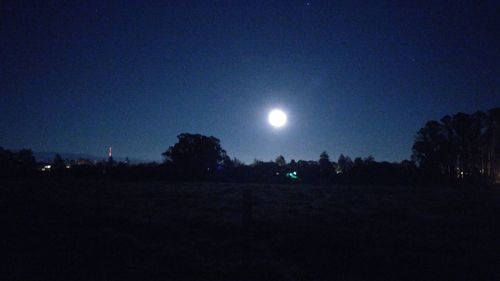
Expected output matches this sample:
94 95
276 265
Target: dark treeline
20 163
200 158
462 146
459 148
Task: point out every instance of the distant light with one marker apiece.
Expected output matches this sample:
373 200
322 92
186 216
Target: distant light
46 168
293 176
277 118
68 166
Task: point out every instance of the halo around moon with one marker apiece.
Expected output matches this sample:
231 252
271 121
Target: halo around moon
277 118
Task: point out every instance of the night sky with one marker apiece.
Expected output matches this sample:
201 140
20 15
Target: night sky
354 78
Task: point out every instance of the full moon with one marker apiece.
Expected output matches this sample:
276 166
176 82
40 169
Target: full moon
277 118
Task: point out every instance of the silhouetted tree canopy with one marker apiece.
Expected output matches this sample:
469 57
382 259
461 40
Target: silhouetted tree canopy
21 162
280 160
195 155
237 162
58 163
25 160
344 163
326 168
324 162
7 162
460 146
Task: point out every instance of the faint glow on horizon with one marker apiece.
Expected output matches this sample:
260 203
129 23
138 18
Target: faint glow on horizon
277 118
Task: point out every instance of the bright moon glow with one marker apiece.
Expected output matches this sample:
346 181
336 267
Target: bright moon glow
277 118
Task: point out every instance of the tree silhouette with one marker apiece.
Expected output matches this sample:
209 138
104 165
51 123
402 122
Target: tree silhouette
25 161
17 163
237 162
58 163
459 146
326 168
7 162
358 162
344 163
369 159
195 156
492 144
280 160
325 165
428 147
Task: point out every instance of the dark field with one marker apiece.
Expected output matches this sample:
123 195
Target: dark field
97 230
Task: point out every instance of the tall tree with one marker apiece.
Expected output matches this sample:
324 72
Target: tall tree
459 146
427 149
492 144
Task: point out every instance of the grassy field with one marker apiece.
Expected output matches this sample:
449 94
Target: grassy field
99 230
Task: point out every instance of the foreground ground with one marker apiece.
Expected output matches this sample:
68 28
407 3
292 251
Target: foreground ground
98 230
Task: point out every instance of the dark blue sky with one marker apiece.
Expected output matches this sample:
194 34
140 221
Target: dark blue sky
354 78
